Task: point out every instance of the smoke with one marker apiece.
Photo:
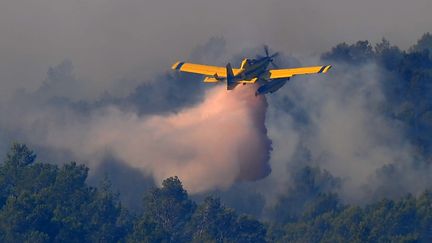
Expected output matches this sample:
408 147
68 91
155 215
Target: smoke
119 103
337 122
211 138
211 145
171 125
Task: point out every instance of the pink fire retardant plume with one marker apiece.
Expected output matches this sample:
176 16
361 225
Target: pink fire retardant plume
211 145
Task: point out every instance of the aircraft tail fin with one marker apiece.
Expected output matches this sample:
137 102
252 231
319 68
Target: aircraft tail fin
231 82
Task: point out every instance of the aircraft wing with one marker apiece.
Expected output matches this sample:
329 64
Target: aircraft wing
287 73
202 69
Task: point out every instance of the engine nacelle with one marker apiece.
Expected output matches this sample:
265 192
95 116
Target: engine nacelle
271 87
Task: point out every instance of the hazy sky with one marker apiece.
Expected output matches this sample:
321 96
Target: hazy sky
109 39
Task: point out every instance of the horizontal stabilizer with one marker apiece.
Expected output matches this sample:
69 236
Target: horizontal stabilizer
210 80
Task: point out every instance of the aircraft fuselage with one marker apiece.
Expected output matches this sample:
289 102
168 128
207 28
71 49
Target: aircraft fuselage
257 70
253 69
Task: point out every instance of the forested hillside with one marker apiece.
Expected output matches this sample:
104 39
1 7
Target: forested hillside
46 203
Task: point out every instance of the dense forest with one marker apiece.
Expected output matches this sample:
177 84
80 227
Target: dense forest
45 202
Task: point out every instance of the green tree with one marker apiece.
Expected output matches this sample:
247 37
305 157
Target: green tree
46 203
358 53
423 44
169 209
213 222
307 194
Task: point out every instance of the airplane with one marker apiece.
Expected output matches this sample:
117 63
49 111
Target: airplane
250 71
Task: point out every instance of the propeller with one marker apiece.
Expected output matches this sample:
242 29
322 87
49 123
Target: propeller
266 49
267 54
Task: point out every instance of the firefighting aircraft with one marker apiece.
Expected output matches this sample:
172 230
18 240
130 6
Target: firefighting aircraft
250 71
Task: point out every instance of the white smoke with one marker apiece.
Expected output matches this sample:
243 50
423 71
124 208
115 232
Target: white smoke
345 130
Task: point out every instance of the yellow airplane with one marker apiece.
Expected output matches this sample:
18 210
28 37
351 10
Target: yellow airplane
250 71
